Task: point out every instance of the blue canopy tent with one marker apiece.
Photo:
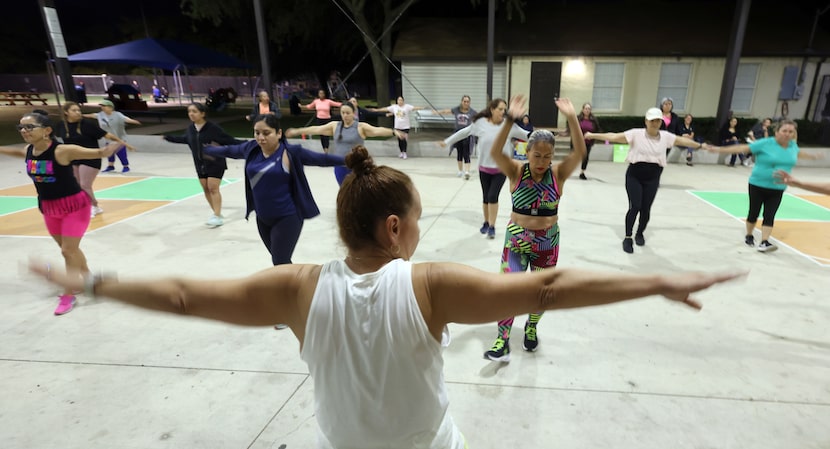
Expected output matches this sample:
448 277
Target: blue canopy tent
161 53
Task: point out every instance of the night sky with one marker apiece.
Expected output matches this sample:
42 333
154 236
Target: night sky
90 24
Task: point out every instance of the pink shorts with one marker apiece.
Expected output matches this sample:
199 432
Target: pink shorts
67 216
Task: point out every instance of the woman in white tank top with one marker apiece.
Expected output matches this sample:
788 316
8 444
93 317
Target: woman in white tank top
371 326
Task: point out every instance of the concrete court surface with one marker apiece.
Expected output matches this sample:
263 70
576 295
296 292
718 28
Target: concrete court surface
751 370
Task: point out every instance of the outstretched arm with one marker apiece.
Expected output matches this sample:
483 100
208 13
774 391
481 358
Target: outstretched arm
367 130
13 152
114 138
687 142
317 130
729 149
66 153
783 177
462 294
610 137
261 299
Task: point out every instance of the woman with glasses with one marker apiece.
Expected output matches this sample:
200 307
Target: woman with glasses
64 205
78 130
646 158
347 133
486 126
532 236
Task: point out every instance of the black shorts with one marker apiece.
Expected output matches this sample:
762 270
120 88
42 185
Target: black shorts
94 163
211 171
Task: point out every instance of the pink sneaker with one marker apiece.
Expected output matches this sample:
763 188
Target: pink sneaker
66 304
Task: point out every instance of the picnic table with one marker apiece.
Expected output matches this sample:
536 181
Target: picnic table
12 98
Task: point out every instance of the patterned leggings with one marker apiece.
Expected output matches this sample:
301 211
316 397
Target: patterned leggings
523 248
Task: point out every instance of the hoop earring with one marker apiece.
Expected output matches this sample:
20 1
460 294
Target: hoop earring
395 249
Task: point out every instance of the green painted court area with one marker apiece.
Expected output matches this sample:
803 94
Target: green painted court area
156 189
792 207
10 204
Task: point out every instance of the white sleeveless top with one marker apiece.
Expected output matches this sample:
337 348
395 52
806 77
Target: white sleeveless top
378 372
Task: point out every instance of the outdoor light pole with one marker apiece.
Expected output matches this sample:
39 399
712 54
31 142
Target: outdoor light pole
733 58
53 29
491 32
263 49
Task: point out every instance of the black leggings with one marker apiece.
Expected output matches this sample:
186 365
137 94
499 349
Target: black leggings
324 140
462 149
491 186
588 145
280 236
641 182
769 198
402 142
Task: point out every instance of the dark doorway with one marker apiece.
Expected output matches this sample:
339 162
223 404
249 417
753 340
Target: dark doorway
544 88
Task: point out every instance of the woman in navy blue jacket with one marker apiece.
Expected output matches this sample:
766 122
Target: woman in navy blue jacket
210 171
276 187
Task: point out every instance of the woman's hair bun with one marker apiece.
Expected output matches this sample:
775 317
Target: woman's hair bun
359 161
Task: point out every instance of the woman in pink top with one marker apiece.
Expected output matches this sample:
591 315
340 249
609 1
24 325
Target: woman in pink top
322 107
646 158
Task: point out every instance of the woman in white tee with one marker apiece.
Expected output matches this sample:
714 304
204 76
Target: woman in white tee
646 158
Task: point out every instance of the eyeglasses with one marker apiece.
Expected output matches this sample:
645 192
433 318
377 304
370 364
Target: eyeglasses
27 127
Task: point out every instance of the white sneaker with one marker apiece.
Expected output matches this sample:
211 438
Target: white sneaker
466 175
400 155
95 211
215 221
459 174
404 155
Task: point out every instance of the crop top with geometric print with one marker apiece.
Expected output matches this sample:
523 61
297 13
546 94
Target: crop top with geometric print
539 199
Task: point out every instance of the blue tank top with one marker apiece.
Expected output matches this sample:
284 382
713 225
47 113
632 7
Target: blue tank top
536 198
345 138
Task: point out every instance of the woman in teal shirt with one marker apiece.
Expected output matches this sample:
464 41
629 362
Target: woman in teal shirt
771 153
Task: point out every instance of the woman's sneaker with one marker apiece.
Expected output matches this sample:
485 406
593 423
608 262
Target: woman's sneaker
484 228
108 169
95 211
766 247
65 304
531 341
750 241
500 352
491 233
215 221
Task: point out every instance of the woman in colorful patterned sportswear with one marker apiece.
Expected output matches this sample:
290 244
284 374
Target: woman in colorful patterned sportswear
532 236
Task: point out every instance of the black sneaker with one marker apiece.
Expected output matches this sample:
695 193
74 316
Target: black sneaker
582 176
767 247
531 342
750 241
639 240
628 245
500 352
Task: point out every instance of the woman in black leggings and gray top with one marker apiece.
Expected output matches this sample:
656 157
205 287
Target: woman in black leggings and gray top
647 157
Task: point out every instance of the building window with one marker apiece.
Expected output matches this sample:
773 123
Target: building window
608 84
674 83
744 90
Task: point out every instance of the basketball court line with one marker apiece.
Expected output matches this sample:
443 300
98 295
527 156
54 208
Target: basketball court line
802 223
124 198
